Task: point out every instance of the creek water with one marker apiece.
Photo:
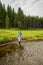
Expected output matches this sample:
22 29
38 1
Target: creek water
30 54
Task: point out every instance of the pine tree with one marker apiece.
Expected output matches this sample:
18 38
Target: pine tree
7 22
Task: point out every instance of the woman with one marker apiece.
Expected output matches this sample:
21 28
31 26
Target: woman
19 37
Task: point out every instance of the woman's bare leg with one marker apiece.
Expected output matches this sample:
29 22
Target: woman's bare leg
19 43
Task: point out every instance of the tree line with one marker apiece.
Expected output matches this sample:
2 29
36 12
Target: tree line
10 19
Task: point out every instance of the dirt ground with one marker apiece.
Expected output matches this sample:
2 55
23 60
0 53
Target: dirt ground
30 54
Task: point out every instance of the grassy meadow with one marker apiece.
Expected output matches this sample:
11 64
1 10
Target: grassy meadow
9 34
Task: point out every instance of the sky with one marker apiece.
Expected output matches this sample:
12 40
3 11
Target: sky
29 7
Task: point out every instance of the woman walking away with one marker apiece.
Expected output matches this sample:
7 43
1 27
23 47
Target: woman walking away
19 37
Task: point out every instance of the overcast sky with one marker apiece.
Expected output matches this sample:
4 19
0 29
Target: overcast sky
29 7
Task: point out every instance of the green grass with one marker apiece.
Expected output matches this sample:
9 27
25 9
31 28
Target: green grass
9 34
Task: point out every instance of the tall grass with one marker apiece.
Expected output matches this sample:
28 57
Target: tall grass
9 34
